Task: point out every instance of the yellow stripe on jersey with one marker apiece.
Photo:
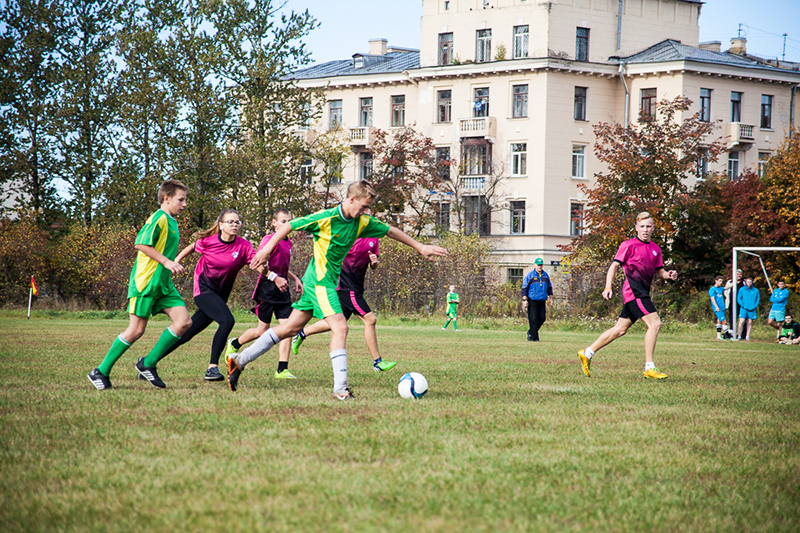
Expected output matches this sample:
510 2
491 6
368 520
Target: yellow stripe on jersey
322 299
146 267
363 222
321 246
131 305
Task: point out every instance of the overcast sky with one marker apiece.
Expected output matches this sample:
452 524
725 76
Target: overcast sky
346 26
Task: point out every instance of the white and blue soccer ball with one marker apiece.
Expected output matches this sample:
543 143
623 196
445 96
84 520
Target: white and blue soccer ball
412 385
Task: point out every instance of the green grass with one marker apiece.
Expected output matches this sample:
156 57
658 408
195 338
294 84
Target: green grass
511 437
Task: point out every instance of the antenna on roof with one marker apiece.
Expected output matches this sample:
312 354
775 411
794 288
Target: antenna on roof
784 47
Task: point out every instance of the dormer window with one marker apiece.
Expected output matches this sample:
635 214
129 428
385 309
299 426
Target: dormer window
358 62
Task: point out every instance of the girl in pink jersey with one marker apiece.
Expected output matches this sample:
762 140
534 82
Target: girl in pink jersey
222 255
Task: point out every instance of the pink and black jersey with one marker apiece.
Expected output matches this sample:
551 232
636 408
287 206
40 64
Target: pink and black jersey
266 290
356 263
219 264
640 261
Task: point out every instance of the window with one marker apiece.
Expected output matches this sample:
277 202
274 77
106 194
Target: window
766 111
733 165
365 116
575 219
336 113
648 103
445 48
476 158
444 215
443 163
763 160
306 169
579 162
445 100
515 276
519 159
364 165
702 165
481 106
580 103
520 42
736 106
517 217
447 5
705 105
483 46
477 215
398 110
520 109
582 44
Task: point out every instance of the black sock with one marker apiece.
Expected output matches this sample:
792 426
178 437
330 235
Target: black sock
235 343
302 334
376 361
282 365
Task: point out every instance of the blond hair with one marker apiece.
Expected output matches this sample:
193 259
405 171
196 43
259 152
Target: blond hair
213 230
644 215
361 189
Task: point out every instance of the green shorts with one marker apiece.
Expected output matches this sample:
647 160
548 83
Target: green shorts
320 300
147 306
451 316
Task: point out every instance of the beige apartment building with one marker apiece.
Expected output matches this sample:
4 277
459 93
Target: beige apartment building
510 89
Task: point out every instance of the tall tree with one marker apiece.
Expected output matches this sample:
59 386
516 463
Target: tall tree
30 37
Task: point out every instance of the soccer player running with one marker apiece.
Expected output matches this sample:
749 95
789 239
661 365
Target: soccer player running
222 255
361 257
641 260
334 231
151 291
272 295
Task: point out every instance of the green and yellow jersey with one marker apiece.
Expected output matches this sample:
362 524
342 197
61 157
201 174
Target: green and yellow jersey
452 303
149 277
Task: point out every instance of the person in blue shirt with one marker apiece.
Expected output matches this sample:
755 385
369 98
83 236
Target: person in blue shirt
536 288
716 293
779 298
748 299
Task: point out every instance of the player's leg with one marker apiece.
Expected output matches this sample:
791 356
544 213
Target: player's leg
371 338
338 354
100 375
284 349
748 326
531 312
624 322
217 310
653 322
181 322
538 309
740 328
320 326
449 318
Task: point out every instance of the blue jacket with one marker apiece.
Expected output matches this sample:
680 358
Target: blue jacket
748 298
779 298
537 287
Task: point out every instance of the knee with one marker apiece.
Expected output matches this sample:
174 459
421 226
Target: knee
370 319
655 326
340 330
619 332
183 325
228 322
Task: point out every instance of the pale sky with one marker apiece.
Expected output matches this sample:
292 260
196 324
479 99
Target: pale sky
346 26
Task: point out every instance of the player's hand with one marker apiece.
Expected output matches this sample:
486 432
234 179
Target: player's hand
259 259
673 274
373 259
607 294
525 304
429 251
175 268
281 283
298 286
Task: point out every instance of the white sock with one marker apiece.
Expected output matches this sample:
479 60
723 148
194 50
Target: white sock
649 366
339 364
588 352
259 347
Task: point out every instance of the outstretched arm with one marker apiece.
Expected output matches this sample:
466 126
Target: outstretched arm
428 251
262 256
186 251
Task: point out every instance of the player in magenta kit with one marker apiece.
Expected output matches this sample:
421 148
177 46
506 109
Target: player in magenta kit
222 255
362 256
641 260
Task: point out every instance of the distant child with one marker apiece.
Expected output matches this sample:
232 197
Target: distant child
452 305
748 299
151 291
334 231
222 255
790 330
716 293
779 298
272 295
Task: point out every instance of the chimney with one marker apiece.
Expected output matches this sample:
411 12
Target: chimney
738 46
711 46
377 47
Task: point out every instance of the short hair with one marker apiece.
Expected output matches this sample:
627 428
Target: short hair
361 189
169 188
644 215
280 211
719 276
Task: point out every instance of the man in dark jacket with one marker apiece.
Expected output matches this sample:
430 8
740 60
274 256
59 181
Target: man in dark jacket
536 288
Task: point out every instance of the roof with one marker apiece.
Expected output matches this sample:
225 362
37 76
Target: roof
373 64
670 50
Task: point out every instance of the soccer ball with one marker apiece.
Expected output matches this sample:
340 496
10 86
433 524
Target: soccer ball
412 385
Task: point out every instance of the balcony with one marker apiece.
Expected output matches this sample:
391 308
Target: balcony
485 127
472 183
362 136
740 133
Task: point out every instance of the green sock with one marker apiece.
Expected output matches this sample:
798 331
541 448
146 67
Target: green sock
165 342
446 324
118 348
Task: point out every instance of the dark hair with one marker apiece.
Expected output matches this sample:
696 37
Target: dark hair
169 188
719 276
279 211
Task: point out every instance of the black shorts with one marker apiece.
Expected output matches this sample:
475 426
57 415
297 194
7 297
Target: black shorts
265 310
636 309
353 302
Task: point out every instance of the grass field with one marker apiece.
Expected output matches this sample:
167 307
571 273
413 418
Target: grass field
511 437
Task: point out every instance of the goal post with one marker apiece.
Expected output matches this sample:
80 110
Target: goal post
751 250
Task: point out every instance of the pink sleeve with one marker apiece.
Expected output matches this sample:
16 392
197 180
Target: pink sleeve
622 254
200 246
265 240
659 259
377 242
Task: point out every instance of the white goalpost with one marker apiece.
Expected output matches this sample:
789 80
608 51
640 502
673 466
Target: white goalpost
750 250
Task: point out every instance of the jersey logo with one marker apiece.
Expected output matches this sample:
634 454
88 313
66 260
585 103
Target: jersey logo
235 255
371 244
654 253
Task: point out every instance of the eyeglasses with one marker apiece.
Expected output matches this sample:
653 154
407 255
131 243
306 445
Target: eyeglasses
233 222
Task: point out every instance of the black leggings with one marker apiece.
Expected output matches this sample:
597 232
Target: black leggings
210 308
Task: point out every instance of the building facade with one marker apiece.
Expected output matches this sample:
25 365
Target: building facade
510 89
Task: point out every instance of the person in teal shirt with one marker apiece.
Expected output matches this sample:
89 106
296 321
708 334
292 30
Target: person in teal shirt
748 299
779 298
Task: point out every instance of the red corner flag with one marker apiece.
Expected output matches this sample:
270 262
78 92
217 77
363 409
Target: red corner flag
33 287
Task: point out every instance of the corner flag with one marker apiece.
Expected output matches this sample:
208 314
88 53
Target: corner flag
34 288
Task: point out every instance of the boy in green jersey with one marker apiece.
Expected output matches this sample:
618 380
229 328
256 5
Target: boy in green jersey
334 231
151 290
452 306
